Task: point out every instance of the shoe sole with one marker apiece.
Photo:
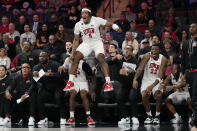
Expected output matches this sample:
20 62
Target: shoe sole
66 89
70 123
91 123
108 90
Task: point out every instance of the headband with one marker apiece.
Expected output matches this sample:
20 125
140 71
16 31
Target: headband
86 9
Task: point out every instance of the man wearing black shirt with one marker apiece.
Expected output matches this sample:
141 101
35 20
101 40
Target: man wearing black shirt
27 56
127 92
22 87
189 66
54 49
4 103
49 87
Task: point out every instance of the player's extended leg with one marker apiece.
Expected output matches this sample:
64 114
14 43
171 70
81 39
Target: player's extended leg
73 94
146 103
105 70
170 106
158 97
83 94
77 57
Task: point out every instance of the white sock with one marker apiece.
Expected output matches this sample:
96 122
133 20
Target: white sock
107 79
176 115
157 113
149 113
71 114
71 77
88 113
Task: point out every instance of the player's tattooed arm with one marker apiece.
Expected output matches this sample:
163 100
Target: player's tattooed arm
142 66
162 69
75 43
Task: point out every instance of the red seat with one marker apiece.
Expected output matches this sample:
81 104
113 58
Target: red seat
141 28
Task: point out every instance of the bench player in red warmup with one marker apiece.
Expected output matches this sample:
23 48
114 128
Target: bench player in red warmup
88 28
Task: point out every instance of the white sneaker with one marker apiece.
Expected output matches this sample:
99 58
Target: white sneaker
135 120
124 121
176 120
6 122
31 121
62 121
1 121
43 122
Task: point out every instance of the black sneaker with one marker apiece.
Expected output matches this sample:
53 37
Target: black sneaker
148 120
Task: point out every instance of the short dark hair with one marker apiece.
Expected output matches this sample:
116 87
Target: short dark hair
3 67
114 45
157 36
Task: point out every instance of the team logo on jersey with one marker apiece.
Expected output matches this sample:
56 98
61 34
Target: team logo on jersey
154 68
89 31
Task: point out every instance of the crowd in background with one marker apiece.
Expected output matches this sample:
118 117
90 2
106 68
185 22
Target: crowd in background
48 26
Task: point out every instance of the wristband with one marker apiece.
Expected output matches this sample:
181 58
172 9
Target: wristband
115 26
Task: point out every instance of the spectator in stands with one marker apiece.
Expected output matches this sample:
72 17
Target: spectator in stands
149 14
4 59
5 104
22 88
109 38
27 36
36 25
127 92
106 48
151 5
114 62
134 6
141 19
67 53
123 22
5 25
42 37
143 51
53 49
20 25
165 5
10 48
184 37
50 87
154 29
13 34
172 55
61 35
167 35
174 21
54 24
26 56
129 40
148 37
135 31
73 17
129 14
